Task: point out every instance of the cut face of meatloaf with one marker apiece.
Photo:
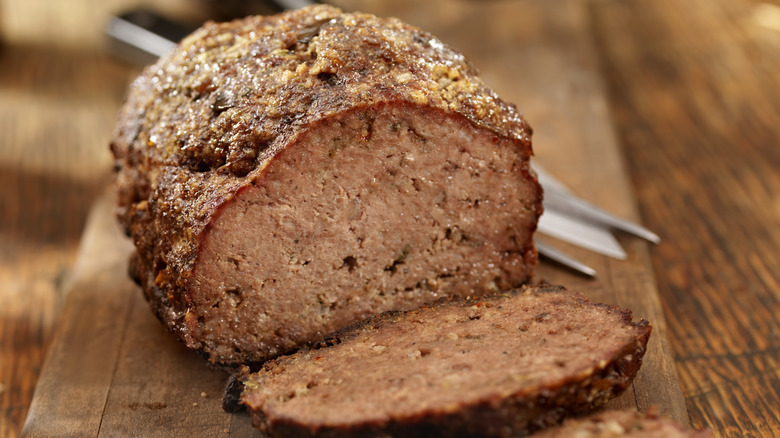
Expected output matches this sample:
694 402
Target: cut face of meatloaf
625 423
499 366
285 176
378 209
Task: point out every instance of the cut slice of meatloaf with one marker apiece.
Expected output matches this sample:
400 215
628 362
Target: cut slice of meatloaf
499 366
622 423
286 176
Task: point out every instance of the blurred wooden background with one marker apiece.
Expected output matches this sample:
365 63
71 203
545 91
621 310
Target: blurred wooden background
694 93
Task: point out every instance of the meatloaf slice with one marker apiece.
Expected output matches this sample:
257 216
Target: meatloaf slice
285 176
625 423
499 366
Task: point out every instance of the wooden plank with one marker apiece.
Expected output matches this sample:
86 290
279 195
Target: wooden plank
73 385
533 53
696 91
161 384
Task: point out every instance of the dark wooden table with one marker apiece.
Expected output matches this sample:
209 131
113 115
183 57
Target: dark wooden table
694 95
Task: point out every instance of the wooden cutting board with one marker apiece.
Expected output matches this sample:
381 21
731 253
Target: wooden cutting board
113 370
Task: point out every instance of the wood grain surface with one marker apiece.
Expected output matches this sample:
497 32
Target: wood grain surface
696 97
692 93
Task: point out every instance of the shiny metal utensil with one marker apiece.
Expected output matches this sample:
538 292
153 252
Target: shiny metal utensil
588 235
560 199
141 36
574 220
561 257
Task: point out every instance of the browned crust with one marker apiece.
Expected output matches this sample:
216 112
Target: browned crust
206 120
518 414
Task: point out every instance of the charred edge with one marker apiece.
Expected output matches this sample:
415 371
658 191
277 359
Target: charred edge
231 399
133 269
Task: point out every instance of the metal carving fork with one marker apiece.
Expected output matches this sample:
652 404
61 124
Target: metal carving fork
581 223
142 36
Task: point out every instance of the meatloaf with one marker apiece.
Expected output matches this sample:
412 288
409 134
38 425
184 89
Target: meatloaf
499 366
625 423
284 176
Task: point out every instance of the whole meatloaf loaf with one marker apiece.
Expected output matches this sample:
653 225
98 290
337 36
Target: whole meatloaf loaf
499 366
288 175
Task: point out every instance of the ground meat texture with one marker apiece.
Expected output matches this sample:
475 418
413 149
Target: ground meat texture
285 176
625 423
500 366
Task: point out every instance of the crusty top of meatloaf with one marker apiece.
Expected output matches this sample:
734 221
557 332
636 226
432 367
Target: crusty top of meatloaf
207 118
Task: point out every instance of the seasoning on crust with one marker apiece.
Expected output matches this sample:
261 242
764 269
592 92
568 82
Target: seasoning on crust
500 366
285 176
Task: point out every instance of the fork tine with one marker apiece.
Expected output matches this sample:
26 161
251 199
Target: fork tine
558 197
574 206
589 235
564 259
